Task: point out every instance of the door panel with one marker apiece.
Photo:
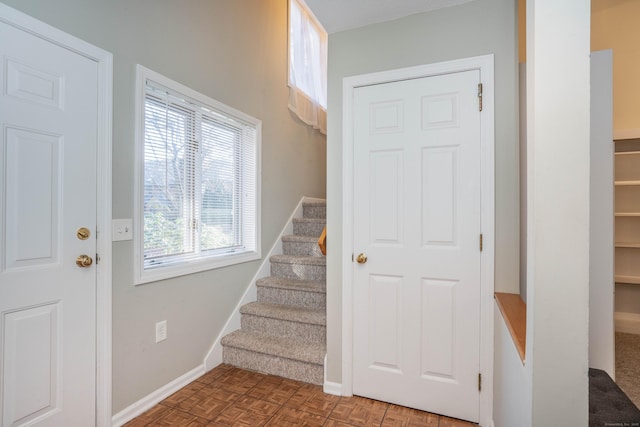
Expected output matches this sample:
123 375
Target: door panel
417 218
438 327
32 333
386 203
48 140
386 322
32 164
439 207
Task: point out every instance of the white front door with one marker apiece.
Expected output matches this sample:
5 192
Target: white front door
417 219
48 140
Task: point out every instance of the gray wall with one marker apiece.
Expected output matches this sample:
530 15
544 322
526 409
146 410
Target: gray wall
601 215
235 52
476 28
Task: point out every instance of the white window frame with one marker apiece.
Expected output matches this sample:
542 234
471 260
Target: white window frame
201 263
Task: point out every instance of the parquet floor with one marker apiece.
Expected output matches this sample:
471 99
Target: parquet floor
228 396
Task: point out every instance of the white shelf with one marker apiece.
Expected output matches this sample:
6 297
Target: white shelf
626 153
627 245
627 185
622 134
634 280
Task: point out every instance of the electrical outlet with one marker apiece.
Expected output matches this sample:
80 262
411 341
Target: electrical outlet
121 229
161 331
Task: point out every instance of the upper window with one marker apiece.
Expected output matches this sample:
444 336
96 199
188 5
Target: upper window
307 66
198 187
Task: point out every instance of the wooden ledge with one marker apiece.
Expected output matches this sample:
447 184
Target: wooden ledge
514 312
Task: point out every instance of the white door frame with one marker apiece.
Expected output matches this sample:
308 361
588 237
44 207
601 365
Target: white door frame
487 212
104 62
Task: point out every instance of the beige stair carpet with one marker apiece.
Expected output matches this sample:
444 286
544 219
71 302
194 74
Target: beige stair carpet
284 332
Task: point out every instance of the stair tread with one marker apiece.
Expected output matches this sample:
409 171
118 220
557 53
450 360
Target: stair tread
283 333
318 286
289 313
317 202
310 220
298 238
292 259
281 347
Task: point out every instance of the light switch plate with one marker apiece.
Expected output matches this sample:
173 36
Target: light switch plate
121 229
161 331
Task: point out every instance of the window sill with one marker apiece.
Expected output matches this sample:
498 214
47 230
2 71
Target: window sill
195 266
514 312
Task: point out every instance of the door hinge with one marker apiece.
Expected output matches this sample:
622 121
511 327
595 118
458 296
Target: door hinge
479 382
479 96
97 259
480 242
352 258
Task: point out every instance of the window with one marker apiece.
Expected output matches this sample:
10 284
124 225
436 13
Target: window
198 187
307 66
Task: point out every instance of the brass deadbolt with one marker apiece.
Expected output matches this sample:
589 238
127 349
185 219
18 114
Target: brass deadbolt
83 233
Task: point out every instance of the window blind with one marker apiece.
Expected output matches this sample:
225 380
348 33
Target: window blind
199 180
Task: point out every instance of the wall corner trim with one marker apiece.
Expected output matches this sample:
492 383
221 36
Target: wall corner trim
330 387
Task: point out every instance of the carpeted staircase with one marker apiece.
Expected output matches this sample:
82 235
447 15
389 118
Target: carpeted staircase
284 332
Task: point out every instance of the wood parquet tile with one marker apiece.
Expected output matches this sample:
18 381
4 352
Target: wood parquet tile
275 389
360 412
400 416
184 393
310 398
247 411
290 417
228 397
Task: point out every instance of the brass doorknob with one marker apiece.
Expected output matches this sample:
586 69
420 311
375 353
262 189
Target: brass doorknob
362 258
84 261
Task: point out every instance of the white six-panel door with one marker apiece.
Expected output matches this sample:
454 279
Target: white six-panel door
417 220
48 125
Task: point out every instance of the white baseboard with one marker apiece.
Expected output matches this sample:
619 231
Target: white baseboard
214 356
149 401
332 388
627 322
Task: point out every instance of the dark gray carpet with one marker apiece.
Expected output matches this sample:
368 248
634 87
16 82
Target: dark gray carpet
608 405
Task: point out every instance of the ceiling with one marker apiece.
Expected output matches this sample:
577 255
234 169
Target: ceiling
340 15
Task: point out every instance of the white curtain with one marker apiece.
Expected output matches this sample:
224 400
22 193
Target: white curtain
307 67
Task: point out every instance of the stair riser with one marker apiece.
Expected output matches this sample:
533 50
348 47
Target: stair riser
301 249
292 297
298 271
314 211
266 363
305 332
313 229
